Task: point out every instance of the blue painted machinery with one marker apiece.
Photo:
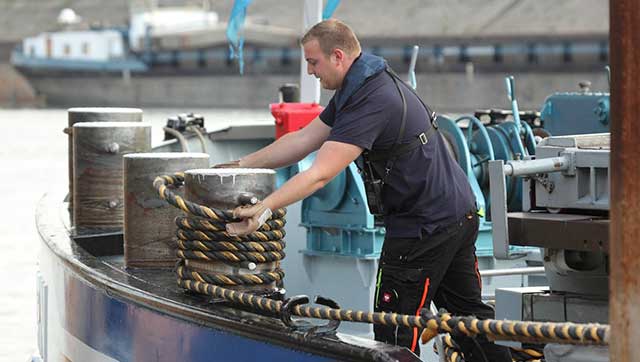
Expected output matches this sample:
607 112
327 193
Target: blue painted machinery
506 136
570 113
474 143
336 217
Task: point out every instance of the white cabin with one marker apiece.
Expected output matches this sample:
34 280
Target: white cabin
161 22
90 45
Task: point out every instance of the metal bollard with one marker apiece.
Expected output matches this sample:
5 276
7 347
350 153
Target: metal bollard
226 189
98 149
149 228
94 114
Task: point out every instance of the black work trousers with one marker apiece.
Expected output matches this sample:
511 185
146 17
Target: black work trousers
441 267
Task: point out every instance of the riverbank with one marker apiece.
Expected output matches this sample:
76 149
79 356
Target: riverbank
16 91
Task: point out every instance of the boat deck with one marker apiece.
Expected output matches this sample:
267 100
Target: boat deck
97 261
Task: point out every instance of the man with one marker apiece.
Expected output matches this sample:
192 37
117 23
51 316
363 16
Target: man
429 208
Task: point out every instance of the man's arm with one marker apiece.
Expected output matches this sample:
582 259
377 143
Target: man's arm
290 148
332 158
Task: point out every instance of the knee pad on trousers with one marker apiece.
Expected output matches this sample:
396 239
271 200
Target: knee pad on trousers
400 290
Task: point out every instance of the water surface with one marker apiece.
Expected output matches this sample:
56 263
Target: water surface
33 160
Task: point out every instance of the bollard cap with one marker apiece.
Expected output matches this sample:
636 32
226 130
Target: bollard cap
110 110
167 155
229 171
111 124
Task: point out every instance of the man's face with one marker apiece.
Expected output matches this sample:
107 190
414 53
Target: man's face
326 68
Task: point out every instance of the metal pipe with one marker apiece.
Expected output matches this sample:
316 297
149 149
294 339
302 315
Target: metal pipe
499 230
511 94
412 67
309 85
184 145
530 167
512 271
203 142
624 230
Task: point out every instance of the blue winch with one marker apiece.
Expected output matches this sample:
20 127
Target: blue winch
474 143
336 217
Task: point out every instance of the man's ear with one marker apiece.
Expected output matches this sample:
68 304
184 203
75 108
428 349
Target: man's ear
338 55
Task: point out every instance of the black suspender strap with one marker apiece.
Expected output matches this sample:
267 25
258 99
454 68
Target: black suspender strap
397 149
431 114
391 158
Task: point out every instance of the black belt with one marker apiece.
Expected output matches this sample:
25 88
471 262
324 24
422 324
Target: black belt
402 148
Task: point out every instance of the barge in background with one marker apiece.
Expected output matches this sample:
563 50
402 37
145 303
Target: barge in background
179 57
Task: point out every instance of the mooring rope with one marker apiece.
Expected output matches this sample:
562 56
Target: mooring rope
453 352
202 237
209 223
443 322
527 354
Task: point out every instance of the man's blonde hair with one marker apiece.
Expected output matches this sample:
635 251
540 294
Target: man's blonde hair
331 34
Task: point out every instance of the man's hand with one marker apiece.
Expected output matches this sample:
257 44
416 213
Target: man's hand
230 164
253 217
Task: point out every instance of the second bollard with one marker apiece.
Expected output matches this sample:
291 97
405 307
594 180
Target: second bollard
97 172
149 228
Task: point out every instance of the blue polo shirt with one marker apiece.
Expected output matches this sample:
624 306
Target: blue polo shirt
426 188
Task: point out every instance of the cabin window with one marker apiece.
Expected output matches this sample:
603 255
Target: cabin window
85 48
67 49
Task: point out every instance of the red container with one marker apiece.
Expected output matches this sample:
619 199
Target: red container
291 117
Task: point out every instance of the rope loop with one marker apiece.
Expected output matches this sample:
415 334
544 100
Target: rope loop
202 237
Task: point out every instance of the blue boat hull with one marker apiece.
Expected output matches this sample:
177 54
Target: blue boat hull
124 331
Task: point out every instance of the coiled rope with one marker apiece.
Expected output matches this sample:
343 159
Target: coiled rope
202 236
208 223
